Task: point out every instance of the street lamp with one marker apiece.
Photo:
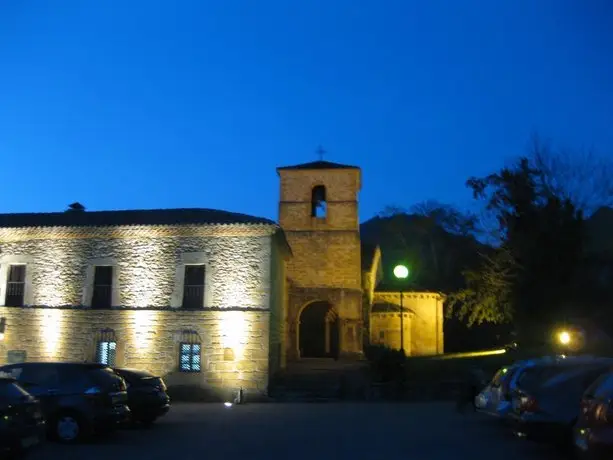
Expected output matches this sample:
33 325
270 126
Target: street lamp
564 337
401 272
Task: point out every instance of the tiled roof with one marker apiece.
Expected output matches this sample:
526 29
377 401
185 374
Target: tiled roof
74 218
318 165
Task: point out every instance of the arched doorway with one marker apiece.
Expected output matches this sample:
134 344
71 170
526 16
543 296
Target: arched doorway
318 333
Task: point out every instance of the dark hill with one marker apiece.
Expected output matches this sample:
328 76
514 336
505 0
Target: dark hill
436 257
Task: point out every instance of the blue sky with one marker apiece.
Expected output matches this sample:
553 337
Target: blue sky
141 104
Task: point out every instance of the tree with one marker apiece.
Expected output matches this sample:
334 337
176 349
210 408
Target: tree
583 177
487 296
530 278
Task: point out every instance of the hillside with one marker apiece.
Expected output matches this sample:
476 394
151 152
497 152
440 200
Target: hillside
435 256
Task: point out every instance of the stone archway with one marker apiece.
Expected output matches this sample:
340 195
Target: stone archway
318 335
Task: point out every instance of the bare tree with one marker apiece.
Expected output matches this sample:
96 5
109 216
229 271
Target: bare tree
583 177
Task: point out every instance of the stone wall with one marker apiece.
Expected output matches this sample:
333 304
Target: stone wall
149 269
341 184
325 259
425 312
278 311
326 252
385 331
233 325
149 339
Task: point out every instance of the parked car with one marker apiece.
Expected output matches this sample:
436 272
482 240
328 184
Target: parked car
593 433
77 399
22 425
147 397
493 399
546 403
496 398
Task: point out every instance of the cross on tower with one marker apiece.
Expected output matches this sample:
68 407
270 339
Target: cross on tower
320 152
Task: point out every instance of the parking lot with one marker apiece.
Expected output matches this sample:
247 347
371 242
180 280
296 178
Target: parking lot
307 431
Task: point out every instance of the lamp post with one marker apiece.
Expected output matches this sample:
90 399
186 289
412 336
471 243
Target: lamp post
401 272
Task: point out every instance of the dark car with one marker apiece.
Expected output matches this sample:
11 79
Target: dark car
147 396
77 399
593 433
546 404
22 425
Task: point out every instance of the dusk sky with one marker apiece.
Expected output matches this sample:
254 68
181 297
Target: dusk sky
146 104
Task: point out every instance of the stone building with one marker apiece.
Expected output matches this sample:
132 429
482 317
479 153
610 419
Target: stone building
208 299
194 295
335 282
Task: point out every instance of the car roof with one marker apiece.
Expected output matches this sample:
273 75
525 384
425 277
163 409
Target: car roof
133 371
59 364
562 360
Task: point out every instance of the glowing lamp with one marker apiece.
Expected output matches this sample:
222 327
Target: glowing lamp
564 337
401 272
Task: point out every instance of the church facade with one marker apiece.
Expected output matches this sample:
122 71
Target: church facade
210 300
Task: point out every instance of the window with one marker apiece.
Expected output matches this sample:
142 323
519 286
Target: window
319 206
193 286
106 352
381 335
103 287
15 356
189 359
15 286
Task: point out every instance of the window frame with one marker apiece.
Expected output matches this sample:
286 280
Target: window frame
109 286
203 285
191 258
88 288
11 259
99 360
9 270
190 369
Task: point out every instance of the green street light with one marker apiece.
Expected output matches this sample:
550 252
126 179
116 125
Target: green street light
401 272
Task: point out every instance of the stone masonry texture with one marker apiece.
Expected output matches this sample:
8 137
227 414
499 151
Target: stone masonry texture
325 263
425 322
146 323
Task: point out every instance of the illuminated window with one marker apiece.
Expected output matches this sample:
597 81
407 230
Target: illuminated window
103 287
105 352
15 286
193 286
189 358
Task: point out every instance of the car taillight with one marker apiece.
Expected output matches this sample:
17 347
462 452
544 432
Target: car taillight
603 412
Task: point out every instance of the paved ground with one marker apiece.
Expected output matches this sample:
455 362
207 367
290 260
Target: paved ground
308 431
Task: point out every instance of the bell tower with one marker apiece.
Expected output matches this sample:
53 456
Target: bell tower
318 211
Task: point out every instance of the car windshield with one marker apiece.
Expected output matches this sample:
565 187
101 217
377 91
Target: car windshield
104 376
132 375
501 376
532 377
602 388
